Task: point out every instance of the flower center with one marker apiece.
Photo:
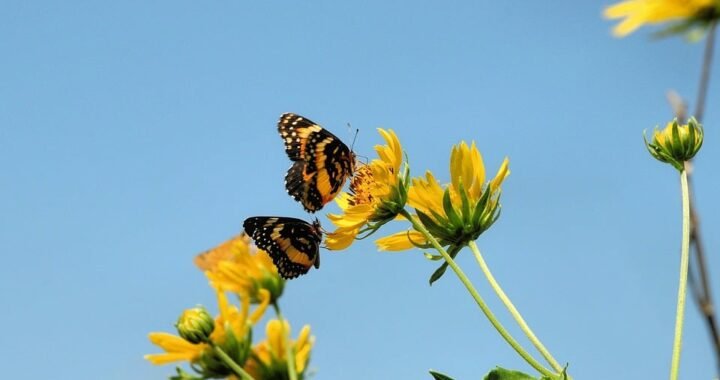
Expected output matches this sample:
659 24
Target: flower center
360 186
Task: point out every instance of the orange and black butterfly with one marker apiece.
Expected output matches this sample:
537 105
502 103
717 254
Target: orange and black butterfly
293 244
321 162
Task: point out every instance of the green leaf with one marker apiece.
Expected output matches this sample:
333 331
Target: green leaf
452 252
439 376
506 374
438 273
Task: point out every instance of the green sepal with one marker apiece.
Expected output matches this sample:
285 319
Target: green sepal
440 376
182 375
690 147
676 146
465 213
428 222
480 206
506 374
454 218
684 27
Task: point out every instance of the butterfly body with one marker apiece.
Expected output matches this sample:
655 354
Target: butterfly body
321 162
293 244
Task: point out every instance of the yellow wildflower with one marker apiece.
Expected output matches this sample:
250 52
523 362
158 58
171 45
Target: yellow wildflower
457 213
378 191
231 332
676 143
636 13
269 359
238 266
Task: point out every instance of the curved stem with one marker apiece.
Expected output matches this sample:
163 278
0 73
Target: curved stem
292 372
476 296
231 363
684 259
513 311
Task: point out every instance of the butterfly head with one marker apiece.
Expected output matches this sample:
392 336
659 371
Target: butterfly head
317 228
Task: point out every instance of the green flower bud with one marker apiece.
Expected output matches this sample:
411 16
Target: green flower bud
676 143
195 325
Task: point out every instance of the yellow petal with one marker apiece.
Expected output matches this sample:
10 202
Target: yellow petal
478 168
425 194
393 153
176 348
401 241
343 200
502 173
260 309
340 239
277 333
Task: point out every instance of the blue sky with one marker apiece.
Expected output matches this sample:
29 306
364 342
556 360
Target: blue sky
134 135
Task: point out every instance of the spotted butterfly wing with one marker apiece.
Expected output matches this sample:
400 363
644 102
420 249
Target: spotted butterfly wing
293 244
321 162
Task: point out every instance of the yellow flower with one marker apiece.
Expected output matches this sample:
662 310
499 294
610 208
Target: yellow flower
676 143
636 13
238 266
269 358
378 191
458 212
231 332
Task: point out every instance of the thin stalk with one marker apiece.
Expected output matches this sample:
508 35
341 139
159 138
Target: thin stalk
703 296
292 373
513 311
231 363
476 296
705 72
684 259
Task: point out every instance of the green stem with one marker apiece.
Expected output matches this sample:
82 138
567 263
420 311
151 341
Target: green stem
684 259
513 311
476 296
231 363
292 372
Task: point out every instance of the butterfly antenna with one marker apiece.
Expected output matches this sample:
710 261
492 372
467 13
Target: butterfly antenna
357 130
364 159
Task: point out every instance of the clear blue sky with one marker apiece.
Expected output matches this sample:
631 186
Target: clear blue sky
135 134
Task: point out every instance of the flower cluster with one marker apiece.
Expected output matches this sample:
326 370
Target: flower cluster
453 214
222 347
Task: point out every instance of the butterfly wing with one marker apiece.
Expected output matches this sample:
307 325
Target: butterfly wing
293 244
321 164
210 259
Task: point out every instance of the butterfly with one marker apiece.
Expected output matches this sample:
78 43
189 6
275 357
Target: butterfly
293 244
321 162
210 259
